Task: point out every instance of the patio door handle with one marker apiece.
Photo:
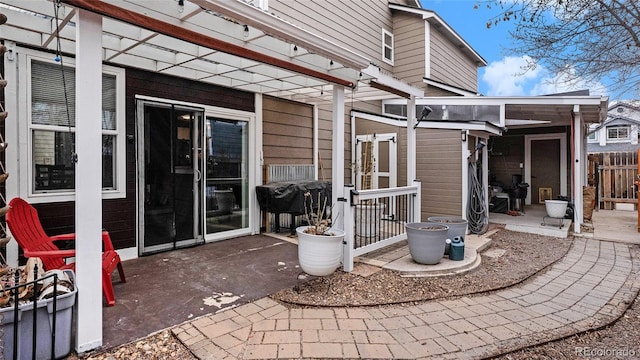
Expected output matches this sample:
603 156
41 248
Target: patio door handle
198 175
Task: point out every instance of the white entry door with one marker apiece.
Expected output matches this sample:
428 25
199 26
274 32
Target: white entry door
376 161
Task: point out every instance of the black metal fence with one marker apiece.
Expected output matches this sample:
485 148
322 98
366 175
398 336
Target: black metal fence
11 335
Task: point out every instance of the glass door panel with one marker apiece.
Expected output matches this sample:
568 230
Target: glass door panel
169 143
226 195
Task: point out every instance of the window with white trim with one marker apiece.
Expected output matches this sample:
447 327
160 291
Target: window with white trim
593 137
51 130
387 46
617 132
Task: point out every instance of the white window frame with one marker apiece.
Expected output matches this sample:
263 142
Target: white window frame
25 150
385 46
618 138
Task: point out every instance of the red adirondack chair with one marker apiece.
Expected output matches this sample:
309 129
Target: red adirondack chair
25 227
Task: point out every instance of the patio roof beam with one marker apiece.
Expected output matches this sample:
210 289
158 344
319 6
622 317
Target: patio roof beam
61 26
130 17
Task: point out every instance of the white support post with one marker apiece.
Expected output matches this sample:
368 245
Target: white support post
89 180
577 169
485 176
258 160
411 139
337 157
347 249
417 204
316 146
12 123
464 164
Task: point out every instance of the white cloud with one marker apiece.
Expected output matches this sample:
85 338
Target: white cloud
507 77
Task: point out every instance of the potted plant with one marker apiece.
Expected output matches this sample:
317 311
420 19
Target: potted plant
457 227
319 245
426 241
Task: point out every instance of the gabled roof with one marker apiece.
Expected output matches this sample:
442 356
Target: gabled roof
434 19
617 120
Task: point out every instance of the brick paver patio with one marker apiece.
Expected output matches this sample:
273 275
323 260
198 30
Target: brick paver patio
591 286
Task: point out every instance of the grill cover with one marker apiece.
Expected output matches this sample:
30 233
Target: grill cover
288 196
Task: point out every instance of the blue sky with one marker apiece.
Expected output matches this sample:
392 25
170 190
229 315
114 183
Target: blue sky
503 74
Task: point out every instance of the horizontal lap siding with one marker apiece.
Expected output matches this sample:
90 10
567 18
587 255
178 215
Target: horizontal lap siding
119 215
287 132
355 25
449 65
439 167
408 33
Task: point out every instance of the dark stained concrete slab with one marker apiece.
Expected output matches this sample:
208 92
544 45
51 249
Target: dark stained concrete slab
166 289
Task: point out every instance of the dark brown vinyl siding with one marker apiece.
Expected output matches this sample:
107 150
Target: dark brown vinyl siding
119 215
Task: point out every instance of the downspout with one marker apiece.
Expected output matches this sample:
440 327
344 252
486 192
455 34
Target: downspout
316 151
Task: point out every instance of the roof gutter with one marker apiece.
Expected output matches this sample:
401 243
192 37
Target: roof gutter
162 27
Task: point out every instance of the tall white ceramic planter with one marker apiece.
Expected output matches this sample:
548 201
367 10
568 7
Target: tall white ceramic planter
319 255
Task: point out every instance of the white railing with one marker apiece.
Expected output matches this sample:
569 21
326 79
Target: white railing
375 219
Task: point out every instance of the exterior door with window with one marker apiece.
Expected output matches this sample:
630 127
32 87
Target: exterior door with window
170 182
376 161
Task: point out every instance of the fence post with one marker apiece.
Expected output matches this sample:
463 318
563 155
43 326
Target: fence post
417 202
347 249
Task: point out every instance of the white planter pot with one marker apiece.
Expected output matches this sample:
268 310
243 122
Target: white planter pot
368 219
319 255
556 208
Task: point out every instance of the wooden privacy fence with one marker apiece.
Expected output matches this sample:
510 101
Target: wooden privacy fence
617 172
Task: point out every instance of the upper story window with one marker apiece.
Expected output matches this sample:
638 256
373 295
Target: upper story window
51 130
617 132
387 46
593 137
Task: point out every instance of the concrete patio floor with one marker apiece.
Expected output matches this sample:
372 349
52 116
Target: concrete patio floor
590 287
185 287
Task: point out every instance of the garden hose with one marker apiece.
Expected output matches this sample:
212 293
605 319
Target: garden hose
477 212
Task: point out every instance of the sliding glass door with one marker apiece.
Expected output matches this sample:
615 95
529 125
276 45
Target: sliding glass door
193 175
170 162
226 177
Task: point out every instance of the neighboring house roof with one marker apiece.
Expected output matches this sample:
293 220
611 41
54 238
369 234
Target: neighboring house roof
614 118
612 147
632 104
434 19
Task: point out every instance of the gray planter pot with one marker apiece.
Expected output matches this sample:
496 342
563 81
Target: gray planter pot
426 241
457 227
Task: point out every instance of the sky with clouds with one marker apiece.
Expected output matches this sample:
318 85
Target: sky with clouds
504 74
